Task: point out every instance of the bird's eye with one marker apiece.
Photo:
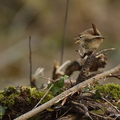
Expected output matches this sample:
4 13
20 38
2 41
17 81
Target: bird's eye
81 36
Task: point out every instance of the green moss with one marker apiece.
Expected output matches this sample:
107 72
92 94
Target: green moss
10 90
24 95
47 98
1 97
35 94
9 100
8 95
1 91
110 89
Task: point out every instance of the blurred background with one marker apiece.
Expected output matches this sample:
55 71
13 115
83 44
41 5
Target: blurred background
43 20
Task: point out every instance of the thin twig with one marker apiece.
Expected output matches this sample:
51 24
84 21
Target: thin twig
117 117
59 70
102 117
43 96
111 104
86 111
48 79
105 50
64 31
65 112
30 60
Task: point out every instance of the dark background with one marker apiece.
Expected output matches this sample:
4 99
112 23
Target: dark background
43 20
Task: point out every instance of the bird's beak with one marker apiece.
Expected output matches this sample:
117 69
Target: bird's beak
78 39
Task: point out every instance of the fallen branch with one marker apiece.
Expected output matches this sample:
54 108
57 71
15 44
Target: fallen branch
67 93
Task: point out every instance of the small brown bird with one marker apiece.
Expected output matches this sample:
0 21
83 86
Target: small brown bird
90 39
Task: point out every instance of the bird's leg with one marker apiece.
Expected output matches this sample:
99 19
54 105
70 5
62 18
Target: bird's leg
81 55
87 54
